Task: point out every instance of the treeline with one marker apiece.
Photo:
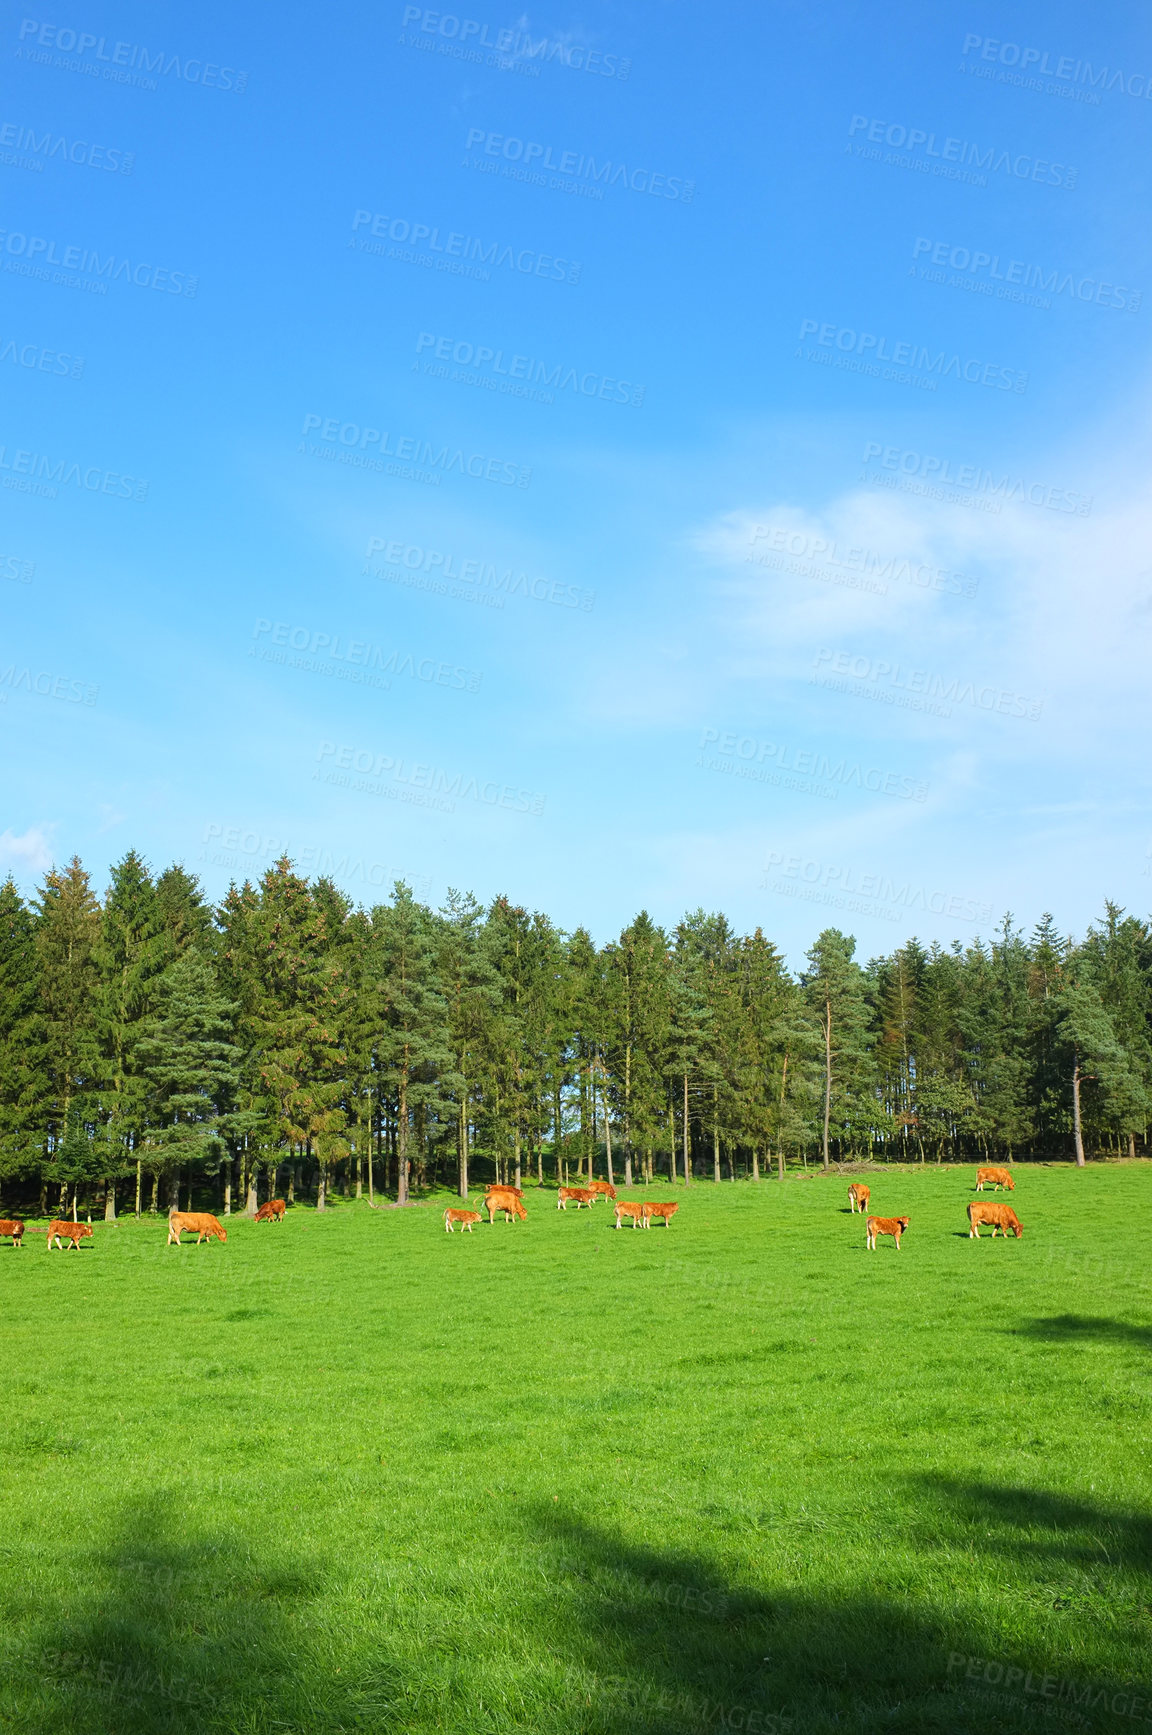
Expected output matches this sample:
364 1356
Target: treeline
154 1048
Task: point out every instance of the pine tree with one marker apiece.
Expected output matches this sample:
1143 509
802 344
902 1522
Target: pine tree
67 935
23 1078
129 957
412 1036
835 990
190 1066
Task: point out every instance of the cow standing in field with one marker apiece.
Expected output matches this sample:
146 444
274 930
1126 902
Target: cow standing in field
1001 1217
13 1226
665 1212
630 1208
202 1224
508 1200
61 1230
994 1178
858 1197
578 1195
272 1212
602 1189
454 1214
894 1226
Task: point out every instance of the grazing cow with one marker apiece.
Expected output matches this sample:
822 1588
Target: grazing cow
894 1226
506 1199
1001 1217
578 1195
74 1232
272 1212
630 1208
602 1189
995 1178
858 1197
667 1211
199 1223
454 1214
13 1226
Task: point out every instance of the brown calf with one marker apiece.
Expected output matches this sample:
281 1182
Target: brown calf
602 1189
629 1208
506 1199
578 1195
202 1224
1001 1217
272 1212
12 1226
894 1226
666 1211
858 1197
74 1232
995 1178
454 1214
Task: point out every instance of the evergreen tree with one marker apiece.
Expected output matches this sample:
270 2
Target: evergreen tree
190 1065
835 990
67 935
24 1081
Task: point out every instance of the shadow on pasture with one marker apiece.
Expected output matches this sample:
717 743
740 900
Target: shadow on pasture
1026 1523
1081 1328
181 1630
658 1643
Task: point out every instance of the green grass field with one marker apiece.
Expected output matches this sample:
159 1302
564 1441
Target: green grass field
351 1473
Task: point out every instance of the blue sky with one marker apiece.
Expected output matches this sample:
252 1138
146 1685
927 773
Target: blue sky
619 456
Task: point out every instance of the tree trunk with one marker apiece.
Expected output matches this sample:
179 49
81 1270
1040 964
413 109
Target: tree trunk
154 1204
139 1167
608 1135
687 1140
75 1191
109 1201
173 1190
292 1168
321 1184
402 1144
516 1147
1077 1127
1131 1147
827 1078
755 1162
715 1139
671 1139
228 1186
251 1202
462 1148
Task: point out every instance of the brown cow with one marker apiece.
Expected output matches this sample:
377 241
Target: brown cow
272 1212
630 1208
13 1226
199 1223
1001 1217
995 1177
894 1226
454 1214
74 1232
506 1199
858 1197
602 1189
578 1195
667 1211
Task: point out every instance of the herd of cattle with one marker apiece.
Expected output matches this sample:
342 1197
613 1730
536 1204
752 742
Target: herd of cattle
509 1202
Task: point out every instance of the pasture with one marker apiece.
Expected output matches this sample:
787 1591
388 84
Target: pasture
351 1473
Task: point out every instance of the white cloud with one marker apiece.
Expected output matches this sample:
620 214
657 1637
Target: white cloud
27 854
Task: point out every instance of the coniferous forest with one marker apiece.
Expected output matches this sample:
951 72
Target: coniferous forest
156 1050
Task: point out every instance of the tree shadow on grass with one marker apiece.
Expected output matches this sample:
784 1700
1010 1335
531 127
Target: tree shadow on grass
180 1629
657 1642
1028 1523
1079 1328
